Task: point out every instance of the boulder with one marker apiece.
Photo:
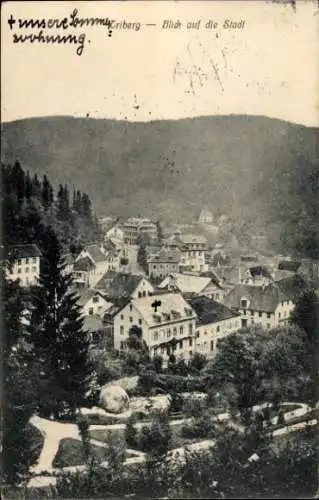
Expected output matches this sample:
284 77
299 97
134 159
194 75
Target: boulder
114 399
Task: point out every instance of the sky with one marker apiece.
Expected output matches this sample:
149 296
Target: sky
268 67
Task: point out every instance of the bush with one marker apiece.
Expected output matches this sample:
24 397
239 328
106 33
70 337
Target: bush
131 433
200 427
155 438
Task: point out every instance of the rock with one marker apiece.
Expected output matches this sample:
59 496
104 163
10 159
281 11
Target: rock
114 399
148 405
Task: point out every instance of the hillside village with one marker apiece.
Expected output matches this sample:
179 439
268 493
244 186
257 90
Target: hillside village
185 295
132 342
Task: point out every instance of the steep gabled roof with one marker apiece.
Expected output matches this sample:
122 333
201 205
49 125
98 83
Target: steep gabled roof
261 298
172 307
95 253
23 251
104 282
210 311
85 295
84 264
123 285
293 286
186 283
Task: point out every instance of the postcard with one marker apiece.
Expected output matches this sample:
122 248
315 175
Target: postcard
159 249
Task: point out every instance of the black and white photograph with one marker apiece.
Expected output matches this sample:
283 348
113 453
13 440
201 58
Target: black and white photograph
159 249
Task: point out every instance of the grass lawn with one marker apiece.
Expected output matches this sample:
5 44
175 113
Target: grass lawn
70 453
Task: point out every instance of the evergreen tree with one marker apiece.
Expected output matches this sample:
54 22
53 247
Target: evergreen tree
20 382
36 187
160 234
18 179
58 336
47 193
28 186
142 258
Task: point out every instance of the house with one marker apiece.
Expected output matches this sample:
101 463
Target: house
24 263
134 226
98 258
114 232
124 285
167 323
191 284
193 249
205 217
92 302
84 271
214 322
100 333
267 306
163 263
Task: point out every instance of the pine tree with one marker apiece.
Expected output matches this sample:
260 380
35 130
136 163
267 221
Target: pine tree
142 258
47 193
57 331
36 187
28 186
19 395
18 179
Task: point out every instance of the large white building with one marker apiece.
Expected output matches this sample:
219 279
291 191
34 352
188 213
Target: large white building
167 321
24 264
214 322
267 306
192 248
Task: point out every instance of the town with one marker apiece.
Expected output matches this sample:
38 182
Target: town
142 331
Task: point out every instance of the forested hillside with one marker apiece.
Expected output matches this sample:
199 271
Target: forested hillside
257 170
30 203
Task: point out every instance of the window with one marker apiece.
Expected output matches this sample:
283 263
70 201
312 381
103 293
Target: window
131 319
122 317
244 311
190 354
211 345
260 314
251 313
181 344
34 259
139 321
168 333
122 345
181 329
268 315
190 342
243 303
144 294
268 325
139 294
190 328
121 330
26 269
279 315
19 262
27 260
19 270
205 332
34 268
131 307
155 335
91 311
95 299
174 331
217 328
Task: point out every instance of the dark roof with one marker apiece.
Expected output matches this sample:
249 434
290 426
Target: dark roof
23 251
123 285
260 271
262 298
107 278
85 295
293 286
84 264
165 256
109 246
289 265
96 253
210 311
214 279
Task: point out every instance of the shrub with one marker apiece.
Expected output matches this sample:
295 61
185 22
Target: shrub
155 439
131 433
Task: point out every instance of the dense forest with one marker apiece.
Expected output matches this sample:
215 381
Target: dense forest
261 172
30 203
